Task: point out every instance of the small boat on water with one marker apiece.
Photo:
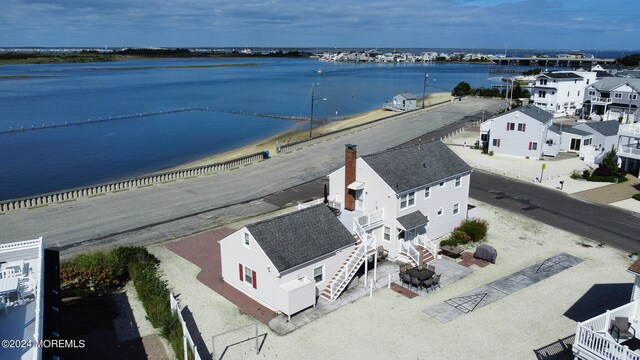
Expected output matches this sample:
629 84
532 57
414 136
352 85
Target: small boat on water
319 71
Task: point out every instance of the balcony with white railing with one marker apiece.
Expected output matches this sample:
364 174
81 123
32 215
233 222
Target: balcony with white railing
630 130
372 219
601 100
594 341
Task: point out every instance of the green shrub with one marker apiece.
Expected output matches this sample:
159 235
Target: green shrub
636 196
586 174
449 242
611 179
475 229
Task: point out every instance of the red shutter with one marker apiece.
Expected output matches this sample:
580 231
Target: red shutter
508 123
255 283
524 126
529 145
241 272
498 142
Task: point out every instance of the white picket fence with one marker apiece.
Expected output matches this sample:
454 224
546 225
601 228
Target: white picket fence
187 340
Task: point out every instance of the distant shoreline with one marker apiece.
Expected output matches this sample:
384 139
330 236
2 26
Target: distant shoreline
289 136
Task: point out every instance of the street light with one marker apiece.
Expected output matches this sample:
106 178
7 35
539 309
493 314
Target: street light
313 101
424 89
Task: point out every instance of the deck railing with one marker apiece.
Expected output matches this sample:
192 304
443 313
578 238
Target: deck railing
592 338
371 219
595 99
187 340
349 267
428 244
408 248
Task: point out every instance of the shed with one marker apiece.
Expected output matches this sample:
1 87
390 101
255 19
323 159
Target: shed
402 102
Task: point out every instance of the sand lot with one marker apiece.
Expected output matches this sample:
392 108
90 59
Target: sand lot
392 326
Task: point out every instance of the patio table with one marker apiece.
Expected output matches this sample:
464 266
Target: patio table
421 274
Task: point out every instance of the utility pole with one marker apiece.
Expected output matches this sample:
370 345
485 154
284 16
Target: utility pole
424 89
511 101
313 89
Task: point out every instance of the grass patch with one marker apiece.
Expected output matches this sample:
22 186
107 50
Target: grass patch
609 179
37 206
144 186
190 177
168 181
1 213
248 164
96 195
120 190
235 168
66 201
636 196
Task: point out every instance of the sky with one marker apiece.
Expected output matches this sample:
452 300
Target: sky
524 24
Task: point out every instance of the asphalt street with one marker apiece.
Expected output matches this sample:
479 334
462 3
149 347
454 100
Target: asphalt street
170 210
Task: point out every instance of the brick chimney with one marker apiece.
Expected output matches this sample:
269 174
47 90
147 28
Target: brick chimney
350 155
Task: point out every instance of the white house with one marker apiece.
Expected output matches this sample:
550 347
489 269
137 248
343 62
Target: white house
561 92
604 133
574 139
629 148
402 102
613 98
520 132
285 262
601 337
405 197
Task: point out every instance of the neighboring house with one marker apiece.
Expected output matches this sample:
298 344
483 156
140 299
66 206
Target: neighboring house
629 148
520 132
285 262
604 133
402 102
613 98
561 92
611 69
405 197
601 337
30 299
574 140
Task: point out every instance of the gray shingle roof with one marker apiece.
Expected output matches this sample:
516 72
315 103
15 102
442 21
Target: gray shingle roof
610 83
408 96
410 167
413 220
562 75
555 129
575 131
606 128
532 111
296 238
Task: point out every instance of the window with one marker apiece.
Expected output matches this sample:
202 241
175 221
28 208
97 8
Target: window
246 239
592 93
511 126
588 81
543 81
617 95
248 276
387 233
318 274
587 142
520 126
568 92
542 94
407 200
456 208
633 96
578 92
458 181
533 145
427 192
440 212
496 142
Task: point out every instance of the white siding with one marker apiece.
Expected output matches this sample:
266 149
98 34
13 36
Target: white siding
514 142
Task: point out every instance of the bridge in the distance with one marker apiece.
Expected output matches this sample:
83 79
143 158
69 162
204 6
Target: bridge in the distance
551 61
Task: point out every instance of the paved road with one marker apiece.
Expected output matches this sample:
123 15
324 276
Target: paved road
603 223
170 210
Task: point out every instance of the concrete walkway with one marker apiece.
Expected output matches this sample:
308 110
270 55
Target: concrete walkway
454 308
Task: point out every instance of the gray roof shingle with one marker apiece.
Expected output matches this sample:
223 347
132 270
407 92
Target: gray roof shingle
408 96
555 129
410 167
562 75
413 220
606 128
533 112
575 131
610 83
299 237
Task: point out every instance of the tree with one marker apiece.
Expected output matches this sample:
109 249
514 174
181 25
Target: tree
462 89
630 60
610 162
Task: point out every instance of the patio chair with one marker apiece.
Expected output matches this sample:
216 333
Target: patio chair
382 253
25 289
403 268
427 284
436 281
415 282
620 327
406 279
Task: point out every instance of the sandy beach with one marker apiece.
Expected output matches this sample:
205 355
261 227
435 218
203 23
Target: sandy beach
288 136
